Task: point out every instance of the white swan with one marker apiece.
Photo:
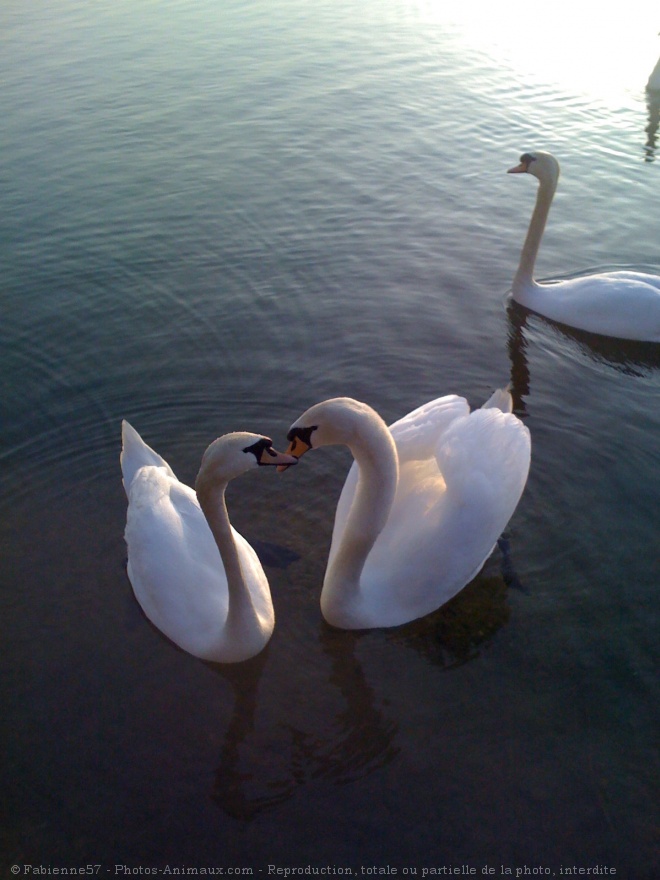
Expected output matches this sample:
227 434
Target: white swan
196 578
622 304
422 506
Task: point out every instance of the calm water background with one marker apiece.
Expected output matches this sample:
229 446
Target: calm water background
216 214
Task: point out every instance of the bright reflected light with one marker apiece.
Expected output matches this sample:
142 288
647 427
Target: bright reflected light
584 46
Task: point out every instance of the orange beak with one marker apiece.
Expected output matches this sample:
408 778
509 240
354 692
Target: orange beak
297 448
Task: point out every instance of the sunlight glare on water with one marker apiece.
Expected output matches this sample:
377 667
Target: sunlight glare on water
584 46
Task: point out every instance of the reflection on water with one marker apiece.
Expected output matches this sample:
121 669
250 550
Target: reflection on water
361 740
516 346
258 772
455 633
653 107
628 356
258 769
247 780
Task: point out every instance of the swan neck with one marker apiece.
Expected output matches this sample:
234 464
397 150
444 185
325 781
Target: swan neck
214 506
525 275
375 455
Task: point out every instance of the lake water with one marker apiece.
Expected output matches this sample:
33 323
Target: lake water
216 214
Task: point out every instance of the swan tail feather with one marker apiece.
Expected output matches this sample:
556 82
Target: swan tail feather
500 399
136 454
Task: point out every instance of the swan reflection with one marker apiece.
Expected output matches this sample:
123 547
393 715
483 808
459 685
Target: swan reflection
653 107
363 741
628 356
457 632
248 779
260 769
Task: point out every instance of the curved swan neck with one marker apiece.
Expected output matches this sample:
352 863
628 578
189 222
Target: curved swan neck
525 273
375 454
214 507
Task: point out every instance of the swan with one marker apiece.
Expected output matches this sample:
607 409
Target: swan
622 304
423 504
196 578
653 84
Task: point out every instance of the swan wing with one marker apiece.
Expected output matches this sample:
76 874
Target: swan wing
174 564
645 278
485 462
417 433
622 304
446 520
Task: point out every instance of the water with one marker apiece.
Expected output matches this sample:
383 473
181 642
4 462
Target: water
215 215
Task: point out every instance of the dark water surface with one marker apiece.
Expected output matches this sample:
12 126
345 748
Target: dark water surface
214 215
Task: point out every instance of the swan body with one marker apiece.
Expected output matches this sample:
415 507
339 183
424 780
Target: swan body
623 304
196 578
423 504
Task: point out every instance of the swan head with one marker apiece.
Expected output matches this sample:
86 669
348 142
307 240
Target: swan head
542 165
233 454
329 423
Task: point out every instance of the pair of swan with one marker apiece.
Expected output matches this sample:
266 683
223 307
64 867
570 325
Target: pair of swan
621 304
420 512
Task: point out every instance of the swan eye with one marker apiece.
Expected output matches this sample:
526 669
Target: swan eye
264 445
526 159
302 434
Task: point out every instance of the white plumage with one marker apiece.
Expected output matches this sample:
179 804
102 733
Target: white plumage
422 506
622 304
196 578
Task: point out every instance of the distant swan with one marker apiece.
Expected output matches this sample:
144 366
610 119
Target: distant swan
196 578
422 507
623 304
653 84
